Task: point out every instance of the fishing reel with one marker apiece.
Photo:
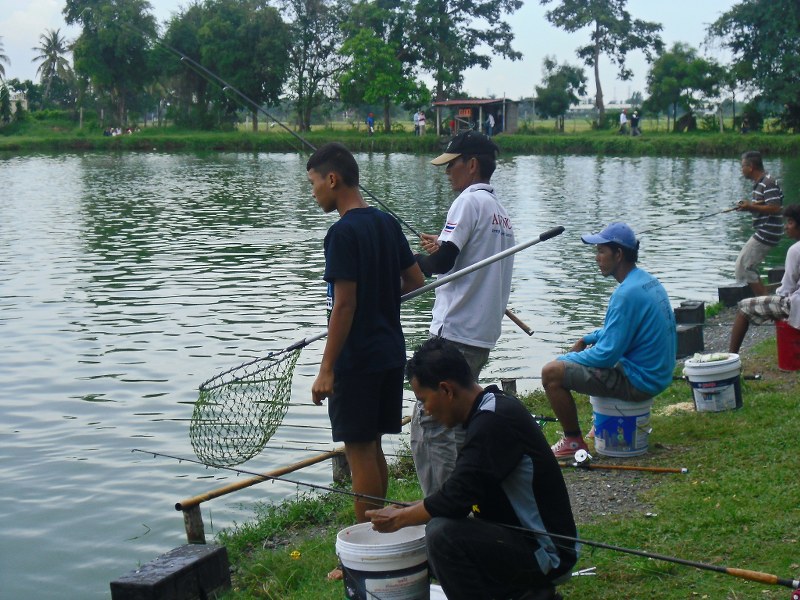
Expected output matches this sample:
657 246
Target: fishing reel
584 459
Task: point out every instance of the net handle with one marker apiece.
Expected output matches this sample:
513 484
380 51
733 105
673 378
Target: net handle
550 233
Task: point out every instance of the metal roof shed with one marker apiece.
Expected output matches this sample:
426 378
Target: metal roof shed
473 112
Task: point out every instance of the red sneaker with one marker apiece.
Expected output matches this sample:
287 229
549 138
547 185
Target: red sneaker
566 447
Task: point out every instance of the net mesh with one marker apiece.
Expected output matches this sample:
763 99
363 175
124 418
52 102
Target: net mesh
238 411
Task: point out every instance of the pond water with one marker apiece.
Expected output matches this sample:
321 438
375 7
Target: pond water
128 279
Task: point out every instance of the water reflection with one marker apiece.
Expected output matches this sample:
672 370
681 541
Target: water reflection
129 279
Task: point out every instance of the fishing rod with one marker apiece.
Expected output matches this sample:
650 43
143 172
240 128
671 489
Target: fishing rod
750 575
214 78
719 212
593 466
583 460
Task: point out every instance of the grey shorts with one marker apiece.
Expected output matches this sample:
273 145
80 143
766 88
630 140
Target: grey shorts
761 309
434 446
751 255
611 383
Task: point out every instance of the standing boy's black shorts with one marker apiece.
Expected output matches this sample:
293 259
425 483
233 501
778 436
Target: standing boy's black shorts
365 405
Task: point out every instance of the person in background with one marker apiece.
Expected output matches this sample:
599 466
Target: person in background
505 476
416 123
623 121
368 266
421 121
371 123
467 311
785 303
489 125
635 124
765 205
631 357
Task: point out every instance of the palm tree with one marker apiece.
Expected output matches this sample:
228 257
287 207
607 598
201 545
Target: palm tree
3 59
52 48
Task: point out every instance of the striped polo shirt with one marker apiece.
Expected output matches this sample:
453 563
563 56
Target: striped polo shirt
768 228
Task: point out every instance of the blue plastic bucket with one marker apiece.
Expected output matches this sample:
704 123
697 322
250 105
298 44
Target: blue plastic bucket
384 565
620 428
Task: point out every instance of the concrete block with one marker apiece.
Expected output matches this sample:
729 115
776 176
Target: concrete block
775 274
190 572
690 312
729 295
690 340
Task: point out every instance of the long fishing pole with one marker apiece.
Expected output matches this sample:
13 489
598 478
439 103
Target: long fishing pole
592 466
750 575
583 460
719 212
213 77
220 378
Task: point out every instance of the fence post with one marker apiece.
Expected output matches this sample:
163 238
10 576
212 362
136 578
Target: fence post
341 468
193 522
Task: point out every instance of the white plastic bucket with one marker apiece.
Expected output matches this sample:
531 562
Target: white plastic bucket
620 428
384 565
716 384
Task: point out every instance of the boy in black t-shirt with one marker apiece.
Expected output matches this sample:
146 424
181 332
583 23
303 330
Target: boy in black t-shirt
368 266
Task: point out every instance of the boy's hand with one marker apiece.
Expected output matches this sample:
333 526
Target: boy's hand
323 387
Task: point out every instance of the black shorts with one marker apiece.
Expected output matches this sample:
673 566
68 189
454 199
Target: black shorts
365 405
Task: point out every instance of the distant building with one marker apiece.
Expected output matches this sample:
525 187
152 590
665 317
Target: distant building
471 113
15 96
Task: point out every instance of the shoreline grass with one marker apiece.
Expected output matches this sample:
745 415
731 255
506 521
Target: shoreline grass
544 141
737 508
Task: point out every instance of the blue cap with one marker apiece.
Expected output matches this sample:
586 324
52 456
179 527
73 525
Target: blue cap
618 233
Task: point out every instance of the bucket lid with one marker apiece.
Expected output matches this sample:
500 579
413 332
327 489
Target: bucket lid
363 537
712 361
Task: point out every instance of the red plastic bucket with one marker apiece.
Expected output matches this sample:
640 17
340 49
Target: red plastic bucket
788 339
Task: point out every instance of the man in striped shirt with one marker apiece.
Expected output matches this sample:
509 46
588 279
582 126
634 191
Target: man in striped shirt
765 204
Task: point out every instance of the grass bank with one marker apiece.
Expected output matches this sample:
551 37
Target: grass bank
737 507
45 137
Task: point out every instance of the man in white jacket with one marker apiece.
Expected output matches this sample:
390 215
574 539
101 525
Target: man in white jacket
785 304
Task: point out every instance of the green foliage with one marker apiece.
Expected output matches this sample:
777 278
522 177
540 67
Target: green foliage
3 59
614 34
316 33
562 86
378 70
763 35
245 43
450 35
712 310
112 49
54 69
5 105
676 78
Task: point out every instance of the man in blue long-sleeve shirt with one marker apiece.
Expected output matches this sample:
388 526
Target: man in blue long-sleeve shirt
631 357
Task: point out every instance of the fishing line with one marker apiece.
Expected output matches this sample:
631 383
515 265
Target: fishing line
719 212
226 86
757 576
216 79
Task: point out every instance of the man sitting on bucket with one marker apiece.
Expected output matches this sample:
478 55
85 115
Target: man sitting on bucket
785 303
505 476
631 357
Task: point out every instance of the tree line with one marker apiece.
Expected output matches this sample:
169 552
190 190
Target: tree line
309 52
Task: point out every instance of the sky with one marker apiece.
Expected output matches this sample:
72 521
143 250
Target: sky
22 22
